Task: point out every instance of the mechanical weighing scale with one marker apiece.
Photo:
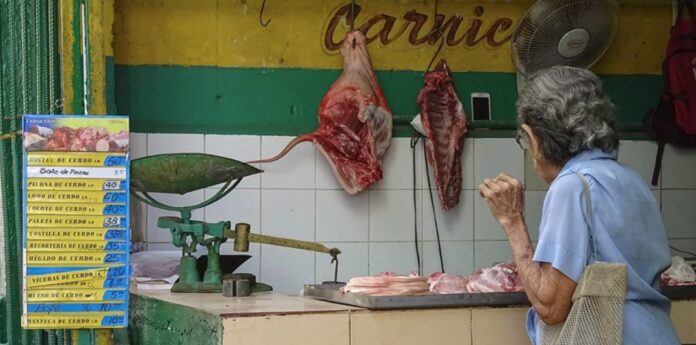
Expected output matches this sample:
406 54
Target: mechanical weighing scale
187 172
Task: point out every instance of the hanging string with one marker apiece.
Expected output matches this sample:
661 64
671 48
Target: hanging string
414 143
432 204
436 29
263 6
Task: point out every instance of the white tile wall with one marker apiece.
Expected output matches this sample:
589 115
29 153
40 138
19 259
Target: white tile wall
286 269
288 213
495 156
458 257
243 148
677 168
298 197
456 224
487 253
295 170
679 213
640 155
485 226
398 257
533 203
391 215
351 263
342 218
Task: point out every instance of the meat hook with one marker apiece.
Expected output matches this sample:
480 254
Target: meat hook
263 5
334 260
352 18
438 29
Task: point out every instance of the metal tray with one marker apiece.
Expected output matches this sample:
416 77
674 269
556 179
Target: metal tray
331 293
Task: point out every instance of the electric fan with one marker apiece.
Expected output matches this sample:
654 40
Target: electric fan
563 32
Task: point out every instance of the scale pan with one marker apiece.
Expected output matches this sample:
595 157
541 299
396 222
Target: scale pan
181 173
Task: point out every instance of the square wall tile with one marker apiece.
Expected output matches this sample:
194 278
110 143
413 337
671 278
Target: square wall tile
342 217
294 171
678 166
155 234
640 155
391 215
495 156
398 257
243 148
658 197
397 166
240 206
688 246
458 257
324 175
467 167
455 224
287 270
679 213
253 265
533 204
489 253
485 226
352 262
288 213
532 181
138 145
175 143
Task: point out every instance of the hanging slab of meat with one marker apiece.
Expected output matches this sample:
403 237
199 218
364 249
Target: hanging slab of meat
387 284
444 122
355 122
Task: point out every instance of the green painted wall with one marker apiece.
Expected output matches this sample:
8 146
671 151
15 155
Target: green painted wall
174 99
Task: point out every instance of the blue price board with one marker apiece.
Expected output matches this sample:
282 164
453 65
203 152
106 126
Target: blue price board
76 219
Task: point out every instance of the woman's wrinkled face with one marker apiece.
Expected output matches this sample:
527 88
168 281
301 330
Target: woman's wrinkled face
529 142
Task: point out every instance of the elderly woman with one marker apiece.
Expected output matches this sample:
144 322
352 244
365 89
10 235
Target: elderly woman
567 127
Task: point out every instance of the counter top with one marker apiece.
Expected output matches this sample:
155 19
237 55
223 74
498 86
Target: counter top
265 303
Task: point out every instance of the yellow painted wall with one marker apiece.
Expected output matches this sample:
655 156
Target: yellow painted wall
227 33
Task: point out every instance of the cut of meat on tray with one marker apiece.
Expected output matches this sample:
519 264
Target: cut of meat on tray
355 122
444 123
499 278
387 285
447 283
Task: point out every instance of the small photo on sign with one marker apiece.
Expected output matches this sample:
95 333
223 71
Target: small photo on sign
75 134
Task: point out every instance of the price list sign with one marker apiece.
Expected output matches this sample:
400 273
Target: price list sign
76 234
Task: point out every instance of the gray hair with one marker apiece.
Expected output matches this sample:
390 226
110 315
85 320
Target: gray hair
568 111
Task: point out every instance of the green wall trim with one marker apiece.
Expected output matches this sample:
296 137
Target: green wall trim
155 322
177 99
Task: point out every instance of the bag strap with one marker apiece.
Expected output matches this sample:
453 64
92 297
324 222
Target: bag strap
689 7
658 161
589 215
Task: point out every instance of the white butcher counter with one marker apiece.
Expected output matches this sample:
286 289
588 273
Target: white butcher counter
162 317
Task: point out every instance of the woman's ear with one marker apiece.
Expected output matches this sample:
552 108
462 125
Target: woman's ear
534 143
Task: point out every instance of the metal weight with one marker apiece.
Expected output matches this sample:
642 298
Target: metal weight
236 287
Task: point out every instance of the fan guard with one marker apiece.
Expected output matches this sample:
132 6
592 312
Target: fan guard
564 32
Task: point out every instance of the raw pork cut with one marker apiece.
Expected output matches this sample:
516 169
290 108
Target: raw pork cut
499 278
444 122
355 122
447 283
387 284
